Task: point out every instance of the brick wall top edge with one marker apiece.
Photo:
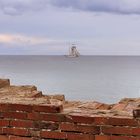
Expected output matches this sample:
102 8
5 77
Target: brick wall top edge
106 117
47 108
28 95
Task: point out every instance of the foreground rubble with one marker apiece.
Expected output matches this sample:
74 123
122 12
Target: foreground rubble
27 114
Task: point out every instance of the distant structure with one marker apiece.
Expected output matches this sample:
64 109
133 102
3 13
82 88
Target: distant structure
73 52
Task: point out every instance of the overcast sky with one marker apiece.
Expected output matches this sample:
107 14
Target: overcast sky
49 27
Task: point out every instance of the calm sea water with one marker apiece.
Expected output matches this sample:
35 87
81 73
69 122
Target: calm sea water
102 78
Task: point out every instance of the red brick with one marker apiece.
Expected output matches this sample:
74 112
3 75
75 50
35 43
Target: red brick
115 121
16 131
121 130
4 107
22 123
2 137
19 138
15 115
101 120
53 135
79 128
1 130
49 125
122 122
15 107
33 116
55 117
4 123
34 132
79 118
103 137
136 131
87 119
48 108
1 115
124 138
20 107
74 136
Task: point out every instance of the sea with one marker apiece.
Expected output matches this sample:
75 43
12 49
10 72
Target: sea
102 78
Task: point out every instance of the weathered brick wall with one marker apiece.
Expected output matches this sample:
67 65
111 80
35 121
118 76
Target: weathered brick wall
34 118
27 122
38 122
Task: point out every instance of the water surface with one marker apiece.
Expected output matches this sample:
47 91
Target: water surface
102 78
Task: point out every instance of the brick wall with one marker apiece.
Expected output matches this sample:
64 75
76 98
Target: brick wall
44 122
26 114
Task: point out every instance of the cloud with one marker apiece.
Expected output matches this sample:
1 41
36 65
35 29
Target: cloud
111 6
25 40
18 7
30 45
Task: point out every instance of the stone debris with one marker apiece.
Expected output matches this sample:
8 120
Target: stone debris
30 95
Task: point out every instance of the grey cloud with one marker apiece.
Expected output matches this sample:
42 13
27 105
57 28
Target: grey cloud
112 6
18 7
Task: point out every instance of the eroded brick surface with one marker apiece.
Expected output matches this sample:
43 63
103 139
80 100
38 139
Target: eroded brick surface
27 114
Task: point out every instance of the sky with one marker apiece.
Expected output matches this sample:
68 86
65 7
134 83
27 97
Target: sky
49 27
